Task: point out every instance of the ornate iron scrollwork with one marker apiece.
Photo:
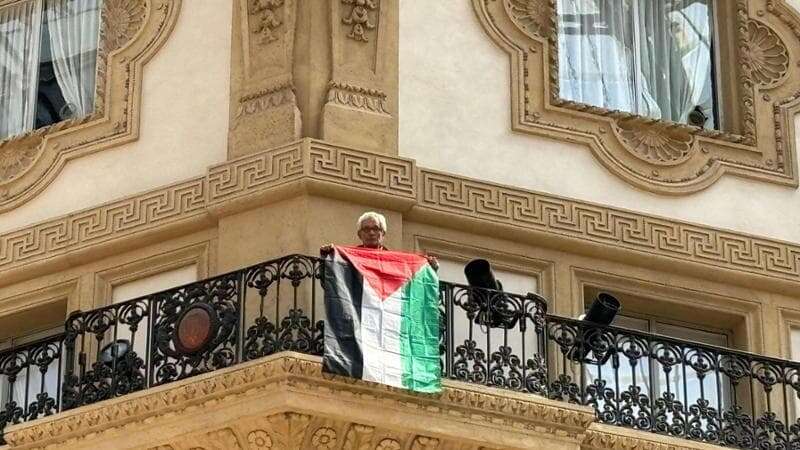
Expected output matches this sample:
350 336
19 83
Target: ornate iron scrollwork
220 296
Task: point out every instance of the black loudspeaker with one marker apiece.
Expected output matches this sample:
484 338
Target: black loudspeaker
494 309
603 309
479 274
601 312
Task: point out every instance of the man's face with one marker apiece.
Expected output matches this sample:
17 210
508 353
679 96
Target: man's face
371 234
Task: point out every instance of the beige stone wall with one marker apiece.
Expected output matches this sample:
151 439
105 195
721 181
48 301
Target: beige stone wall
184 123
455 116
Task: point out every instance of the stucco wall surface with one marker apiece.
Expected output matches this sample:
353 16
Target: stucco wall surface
455 115
184 123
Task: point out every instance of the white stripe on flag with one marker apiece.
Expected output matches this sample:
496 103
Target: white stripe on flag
380 337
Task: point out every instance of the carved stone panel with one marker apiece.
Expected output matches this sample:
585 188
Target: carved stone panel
132 32
661 156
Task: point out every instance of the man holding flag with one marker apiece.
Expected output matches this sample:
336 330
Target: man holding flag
382 312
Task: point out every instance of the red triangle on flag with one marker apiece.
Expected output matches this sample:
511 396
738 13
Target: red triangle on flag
385 271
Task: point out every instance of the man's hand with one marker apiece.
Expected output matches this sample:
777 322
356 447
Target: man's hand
326 250
433 262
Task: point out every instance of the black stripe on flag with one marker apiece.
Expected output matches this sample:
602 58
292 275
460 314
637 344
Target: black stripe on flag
343 286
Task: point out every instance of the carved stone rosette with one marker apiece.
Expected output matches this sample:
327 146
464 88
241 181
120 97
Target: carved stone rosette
132 32
661 156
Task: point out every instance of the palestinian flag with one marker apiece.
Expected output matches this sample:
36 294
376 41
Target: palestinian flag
382 318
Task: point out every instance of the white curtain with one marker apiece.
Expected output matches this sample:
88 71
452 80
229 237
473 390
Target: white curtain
73 26
649 57
20 29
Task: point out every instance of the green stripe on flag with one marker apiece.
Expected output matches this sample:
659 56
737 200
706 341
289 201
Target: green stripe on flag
419 342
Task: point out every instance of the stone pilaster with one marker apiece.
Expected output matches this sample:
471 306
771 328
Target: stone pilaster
263 111
361 99
310 68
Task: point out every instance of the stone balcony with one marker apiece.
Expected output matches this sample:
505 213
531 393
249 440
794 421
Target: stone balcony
284 401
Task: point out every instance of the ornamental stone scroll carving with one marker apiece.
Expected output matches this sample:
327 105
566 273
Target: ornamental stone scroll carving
132 32
659 156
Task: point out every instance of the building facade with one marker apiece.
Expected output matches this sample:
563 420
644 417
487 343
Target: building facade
163 158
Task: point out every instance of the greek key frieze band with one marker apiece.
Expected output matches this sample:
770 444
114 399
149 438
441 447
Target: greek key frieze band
429 191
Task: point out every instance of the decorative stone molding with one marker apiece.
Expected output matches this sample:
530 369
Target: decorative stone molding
613 227
768 54
378 173
285 402
303 431
313 160
265 18
426 194
131 33
260 171
261 101
279 382
372 100
360 18
77 231
122 19
607 437
660 156
657 142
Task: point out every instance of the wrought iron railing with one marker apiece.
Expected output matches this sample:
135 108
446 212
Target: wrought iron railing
631 379
30 381
674 387
250 313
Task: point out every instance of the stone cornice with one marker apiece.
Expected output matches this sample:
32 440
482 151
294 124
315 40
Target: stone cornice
291 374
426 195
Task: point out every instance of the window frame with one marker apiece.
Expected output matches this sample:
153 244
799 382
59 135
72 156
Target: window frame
654 320
29 162
655 155
45 31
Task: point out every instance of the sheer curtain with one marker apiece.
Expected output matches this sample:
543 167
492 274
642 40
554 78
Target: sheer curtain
20 28
73 26
29 383
649 57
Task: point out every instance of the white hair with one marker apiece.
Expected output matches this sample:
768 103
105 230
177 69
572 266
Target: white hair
377 217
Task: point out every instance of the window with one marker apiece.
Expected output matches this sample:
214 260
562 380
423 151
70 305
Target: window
141 287
678 381
47 62
673 380
653 58
30 381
